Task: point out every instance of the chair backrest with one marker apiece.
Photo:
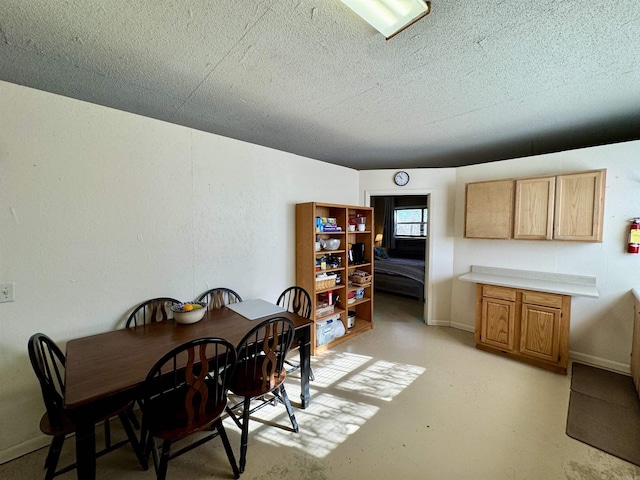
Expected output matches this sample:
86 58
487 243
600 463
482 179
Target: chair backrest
261 354
187 388
48 363
296 300
219 297
154 310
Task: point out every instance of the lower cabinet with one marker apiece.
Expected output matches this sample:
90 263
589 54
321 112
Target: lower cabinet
525 325
498 320
635 346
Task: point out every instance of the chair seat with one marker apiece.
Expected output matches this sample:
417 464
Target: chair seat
167 418
65 427
249 379
100 411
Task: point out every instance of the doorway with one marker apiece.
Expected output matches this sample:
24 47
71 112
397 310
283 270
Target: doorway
402 241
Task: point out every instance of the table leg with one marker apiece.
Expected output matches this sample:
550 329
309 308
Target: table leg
305 364
86 449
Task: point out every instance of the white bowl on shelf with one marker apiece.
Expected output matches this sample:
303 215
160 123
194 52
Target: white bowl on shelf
332 244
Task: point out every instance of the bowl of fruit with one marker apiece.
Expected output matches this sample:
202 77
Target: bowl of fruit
188 312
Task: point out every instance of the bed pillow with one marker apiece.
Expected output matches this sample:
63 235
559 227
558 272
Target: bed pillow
379 253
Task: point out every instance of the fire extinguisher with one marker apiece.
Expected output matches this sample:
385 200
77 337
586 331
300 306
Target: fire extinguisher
634 236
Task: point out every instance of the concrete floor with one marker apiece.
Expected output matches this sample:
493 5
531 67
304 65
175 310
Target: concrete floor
403 401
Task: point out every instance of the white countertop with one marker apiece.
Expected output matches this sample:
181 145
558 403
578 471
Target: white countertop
561 283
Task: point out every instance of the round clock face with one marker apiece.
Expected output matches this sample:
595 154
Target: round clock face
401 178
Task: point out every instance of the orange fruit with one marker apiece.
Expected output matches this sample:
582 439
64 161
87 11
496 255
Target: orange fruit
187 307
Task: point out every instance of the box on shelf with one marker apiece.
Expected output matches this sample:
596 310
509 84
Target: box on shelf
324 310
327 224
325 332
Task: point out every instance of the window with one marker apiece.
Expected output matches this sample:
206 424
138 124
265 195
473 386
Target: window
410 222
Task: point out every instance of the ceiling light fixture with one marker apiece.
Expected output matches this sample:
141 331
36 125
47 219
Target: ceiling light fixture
390 17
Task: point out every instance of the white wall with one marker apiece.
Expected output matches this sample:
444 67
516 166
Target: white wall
101 209
600 328
440 185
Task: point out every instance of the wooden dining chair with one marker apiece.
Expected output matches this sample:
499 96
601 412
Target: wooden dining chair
260 375
48 363
219 297
184 393
154 310
149 311
296 300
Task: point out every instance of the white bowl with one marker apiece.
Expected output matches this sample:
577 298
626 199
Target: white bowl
188 317
332 244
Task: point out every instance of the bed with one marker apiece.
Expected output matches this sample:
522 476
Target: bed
403 276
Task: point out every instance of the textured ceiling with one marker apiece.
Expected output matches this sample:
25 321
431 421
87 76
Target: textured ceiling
471 82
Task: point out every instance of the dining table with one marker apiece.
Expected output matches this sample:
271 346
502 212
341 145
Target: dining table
116 363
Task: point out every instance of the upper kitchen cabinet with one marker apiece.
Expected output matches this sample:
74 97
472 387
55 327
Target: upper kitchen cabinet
579 206
560 207
533 218
489 209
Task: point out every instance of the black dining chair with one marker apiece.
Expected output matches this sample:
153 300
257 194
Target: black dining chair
185 393
260 375
149 311
154 310
48 363
219 297
296 300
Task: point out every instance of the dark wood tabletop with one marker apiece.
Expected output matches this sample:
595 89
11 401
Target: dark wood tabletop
118 361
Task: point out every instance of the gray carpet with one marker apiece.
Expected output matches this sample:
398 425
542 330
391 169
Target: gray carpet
604 412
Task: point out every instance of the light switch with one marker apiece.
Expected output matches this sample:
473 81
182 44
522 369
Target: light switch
7 292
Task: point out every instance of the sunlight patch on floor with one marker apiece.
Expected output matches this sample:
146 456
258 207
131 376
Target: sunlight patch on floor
331 366
331 419
382 380
328 422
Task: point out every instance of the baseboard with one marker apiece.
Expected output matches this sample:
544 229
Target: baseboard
439 323
600 362
462 326
23 448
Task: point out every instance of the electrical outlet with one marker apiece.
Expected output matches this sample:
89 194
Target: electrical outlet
7 292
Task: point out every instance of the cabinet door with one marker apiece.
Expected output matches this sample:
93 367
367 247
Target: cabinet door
635 346
540 332
533 218
489 209
579 206
498 323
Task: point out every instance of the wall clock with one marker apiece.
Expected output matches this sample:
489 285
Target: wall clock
401 178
